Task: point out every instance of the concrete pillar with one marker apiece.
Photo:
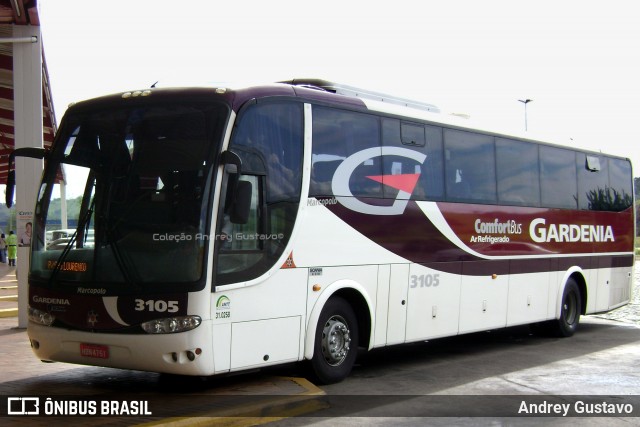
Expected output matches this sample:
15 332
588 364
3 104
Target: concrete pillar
27 104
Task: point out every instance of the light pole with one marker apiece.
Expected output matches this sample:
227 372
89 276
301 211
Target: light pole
525 102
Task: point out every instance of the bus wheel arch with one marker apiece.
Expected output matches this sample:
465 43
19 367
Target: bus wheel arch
575 275
572 302
361 307
582 287
571 308
339 324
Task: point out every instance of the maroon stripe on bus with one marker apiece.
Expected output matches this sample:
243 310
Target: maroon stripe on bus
411 235
414 237
534 265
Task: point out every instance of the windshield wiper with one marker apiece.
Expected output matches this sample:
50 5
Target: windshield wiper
127 272
108 236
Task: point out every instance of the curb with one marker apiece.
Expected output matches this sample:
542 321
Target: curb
255 414
8 285
9 312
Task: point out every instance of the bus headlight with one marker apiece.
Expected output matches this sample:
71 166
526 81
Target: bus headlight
40 317
171 325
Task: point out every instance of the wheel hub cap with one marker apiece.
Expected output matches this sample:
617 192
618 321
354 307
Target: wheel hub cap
336 340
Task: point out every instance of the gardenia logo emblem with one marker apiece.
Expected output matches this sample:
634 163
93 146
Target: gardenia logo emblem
404 183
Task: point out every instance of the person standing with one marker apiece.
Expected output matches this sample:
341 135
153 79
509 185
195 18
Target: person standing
3 249
12 246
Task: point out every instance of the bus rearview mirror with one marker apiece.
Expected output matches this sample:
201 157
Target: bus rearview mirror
33 152
241 206
11 185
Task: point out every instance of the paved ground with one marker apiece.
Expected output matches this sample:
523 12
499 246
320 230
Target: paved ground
258 397
459 378
486 374
8 291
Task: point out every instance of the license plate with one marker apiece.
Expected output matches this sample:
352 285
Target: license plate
96 351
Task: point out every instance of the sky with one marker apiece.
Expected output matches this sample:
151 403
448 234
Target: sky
579 61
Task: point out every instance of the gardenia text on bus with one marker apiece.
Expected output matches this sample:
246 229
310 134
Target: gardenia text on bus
540 232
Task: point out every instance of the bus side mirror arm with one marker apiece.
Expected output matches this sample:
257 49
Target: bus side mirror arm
231 158
33 152
238 199
233 167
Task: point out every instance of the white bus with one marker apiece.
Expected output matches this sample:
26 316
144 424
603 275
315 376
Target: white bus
236 229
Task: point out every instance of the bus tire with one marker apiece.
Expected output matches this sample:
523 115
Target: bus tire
336 342
570 310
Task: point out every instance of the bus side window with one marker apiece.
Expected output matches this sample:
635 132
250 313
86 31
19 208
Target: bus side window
593 180
518 173
268 139
620 184
338 134
421 138
559 182
470 166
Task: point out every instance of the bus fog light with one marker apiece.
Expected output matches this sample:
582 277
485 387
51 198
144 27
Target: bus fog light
171 325
40 317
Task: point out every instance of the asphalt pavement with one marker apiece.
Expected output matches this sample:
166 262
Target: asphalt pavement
476 379
8 291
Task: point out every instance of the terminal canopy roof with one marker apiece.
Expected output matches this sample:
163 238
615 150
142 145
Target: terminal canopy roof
12 13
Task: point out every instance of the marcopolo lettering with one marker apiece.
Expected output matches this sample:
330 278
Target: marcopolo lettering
540 232
91 291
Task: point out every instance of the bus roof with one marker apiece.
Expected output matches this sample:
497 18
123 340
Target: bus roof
328 92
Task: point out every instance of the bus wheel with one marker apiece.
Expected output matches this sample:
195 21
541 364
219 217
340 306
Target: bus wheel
570 310
336 342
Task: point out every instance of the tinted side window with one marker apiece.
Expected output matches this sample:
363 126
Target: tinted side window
620 183
593 182
412 134
337 134
269 141
430 183
558 178
518 173
469 167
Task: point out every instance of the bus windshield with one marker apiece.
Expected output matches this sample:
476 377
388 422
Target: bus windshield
133 211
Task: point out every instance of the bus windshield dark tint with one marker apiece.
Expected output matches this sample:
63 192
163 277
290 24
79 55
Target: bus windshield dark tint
134 207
